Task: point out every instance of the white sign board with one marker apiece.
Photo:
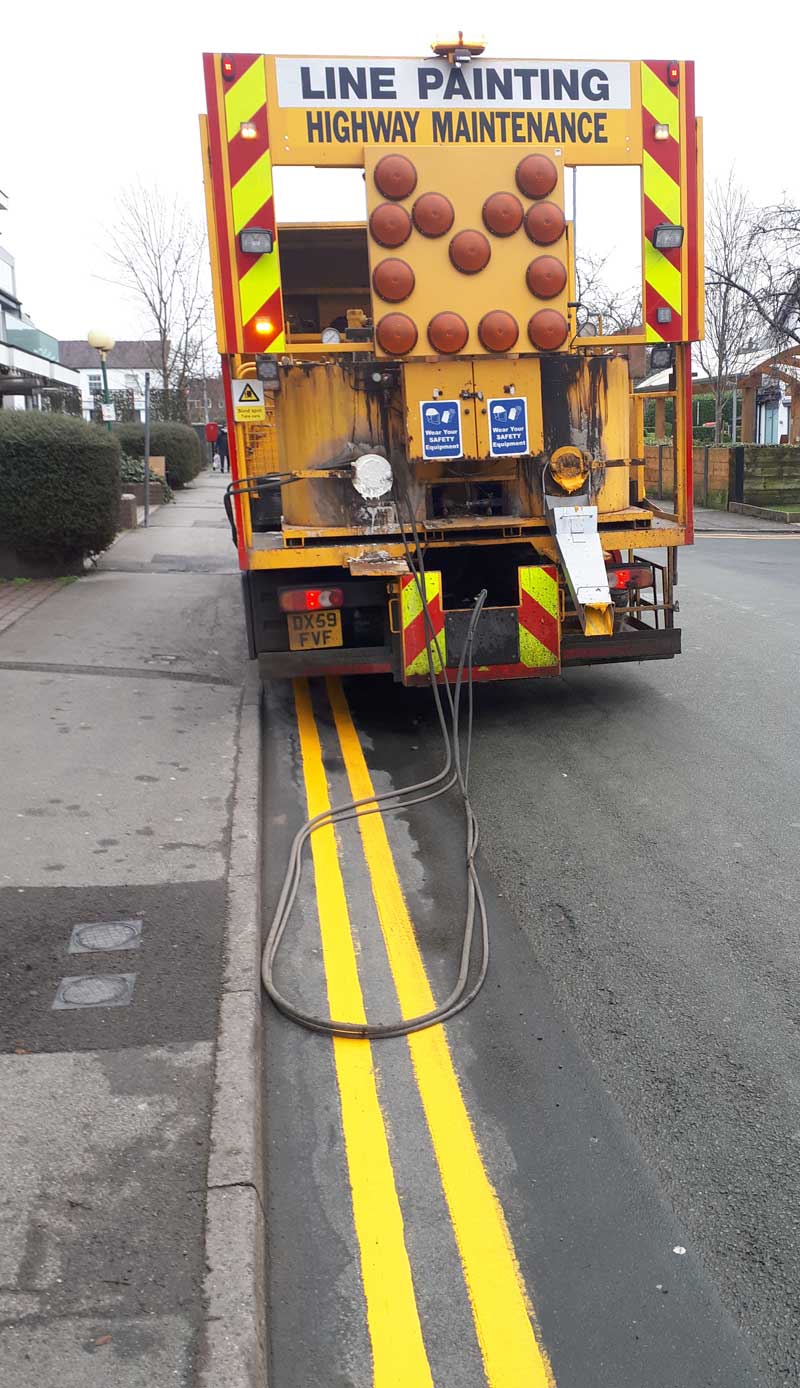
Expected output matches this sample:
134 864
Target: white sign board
248 400
433 82
109 411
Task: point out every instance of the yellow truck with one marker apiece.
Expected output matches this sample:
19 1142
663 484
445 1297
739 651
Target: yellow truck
414 415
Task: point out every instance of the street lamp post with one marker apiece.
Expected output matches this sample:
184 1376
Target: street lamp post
104 343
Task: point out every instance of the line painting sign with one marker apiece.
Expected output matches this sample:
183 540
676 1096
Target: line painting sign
248 401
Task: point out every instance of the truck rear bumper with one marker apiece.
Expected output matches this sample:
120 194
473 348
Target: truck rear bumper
631 644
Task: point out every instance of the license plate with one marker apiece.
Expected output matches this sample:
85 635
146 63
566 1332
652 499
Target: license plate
314 631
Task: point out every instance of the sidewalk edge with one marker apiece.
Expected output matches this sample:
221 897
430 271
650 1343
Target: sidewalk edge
233 1348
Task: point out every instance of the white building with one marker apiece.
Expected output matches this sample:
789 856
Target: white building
30 369
126 364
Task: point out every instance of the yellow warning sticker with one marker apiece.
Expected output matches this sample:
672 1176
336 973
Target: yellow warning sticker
248 401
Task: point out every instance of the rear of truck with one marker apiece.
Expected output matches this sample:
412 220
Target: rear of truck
413 417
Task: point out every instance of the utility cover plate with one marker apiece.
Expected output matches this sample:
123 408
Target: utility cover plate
94 990
105 935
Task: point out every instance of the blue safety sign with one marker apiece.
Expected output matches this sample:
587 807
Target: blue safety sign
441 428
508 426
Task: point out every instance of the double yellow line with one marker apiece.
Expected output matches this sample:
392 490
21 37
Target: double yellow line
512 1356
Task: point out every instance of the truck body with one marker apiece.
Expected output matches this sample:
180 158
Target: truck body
413 412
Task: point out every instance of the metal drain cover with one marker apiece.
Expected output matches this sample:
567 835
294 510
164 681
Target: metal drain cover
105 935
98 990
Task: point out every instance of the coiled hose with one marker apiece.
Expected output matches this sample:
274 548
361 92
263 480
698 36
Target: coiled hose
453 773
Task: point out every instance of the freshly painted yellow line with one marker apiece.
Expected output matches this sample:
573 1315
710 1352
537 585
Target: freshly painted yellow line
512 1356
398 1351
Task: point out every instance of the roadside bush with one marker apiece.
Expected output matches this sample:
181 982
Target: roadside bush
131 472
59 489
177 443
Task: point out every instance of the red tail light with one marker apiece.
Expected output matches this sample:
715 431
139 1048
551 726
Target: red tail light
310 599
228 68
673 74
630 576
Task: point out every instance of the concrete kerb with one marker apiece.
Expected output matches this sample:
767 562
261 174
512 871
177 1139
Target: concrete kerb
233 1352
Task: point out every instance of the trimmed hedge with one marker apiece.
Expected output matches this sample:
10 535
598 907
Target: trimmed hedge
59 489
177 443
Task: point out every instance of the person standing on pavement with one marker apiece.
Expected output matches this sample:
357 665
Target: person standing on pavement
222 449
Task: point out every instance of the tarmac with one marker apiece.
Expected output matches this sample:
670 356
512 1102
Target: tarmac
124 712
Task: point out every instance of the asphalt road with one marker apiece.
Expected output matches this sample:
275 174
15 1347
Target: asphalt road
627 1080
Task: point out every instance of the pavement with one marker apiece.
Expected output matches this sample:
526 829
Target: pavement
587 1178
122 698
706 519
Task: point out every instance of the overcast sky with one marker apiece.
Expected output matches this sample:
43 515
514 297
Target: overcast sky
94 96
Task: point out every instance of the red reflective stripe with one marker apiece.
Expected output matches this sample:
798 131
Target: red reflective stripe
415 634
653 217
243 153
671 332
539 622
693 326
217 153
271 311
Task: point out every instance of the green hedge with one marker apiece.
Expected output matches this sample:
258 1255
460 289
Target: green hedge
59 488
177 443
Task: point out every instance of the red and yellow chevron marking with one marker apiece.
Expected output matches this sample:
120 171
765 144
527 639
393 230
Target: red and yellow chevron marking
539 629
241 170
661 202
417 654
539 626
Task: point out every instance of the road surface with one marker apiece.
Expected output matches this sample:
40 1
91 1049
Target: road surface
590 1180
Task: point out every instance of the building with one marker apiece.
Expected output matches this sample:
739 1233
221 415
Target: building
765 387
32 376
126 364
205 399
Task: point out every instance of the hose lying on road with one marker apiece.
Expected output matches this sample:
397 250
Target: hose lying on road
452 774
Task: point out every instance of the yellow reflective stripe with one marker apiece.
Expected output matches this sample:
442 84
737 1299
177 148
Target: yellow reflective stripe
661 189
278 344
411 607
660 101
652 335
252 191
243 99
532 653
258 285
662 275
542 586
411 601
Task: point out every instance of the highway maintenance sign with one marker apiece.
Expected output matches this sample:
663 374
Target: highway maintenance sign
248 401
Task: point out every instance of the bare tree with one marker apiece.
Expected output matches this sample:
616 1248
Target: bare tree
768 272
732 321
159 255
604 309
775 260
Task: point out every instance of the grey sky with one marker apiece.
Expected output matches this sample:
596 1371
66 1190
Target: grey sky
95 96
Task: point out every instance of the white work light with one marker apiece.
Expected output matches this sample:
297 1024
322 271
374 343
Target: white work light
667 237
256 241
